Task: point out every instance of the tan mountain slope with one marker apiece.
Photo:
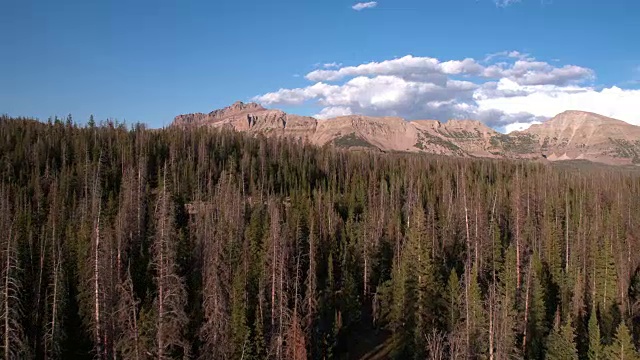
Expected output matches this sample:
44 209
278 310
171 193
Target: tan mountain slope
570 135
584 135
384 133
455 137
253 118
468 137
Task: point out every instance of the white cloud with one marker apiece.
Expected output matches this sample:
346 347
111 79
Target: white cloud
527 72
381 96
518 126
510 94
364 5
514 54
548 101
505 3
333 111
408 67
332 65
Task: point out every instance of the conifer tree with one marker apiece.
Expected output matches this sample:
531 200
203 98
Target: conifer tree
419 283
595 351
476 320
622 347
453 300
505 336
536 319
561 344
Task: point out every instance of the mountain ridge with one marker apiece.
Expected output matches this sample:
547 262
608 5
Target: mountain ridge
570 135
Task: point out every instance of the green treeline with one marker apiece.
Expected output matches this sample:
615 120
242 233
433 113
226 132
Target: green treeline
120 243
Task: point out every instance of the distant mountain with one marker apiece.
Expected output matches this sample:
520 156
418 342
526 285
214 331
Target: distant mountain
572 135
588 136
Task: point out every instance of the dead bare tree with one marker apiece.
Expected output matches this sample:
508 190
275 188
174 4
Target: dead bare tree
219 228
171 296
56 287
127 342
13 341
436 345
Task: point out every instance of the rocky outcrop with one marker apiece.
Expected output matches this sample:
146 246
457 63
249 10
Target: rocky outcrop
236 110
570 135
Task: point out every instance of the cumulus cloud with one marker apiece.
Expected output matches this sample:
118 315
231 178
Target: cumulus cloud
364 5
333 111
380 96
507 91
548 101
527 72
407 67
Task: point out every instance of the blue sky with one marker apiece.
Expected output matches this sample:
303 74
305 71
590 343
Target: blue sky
151 60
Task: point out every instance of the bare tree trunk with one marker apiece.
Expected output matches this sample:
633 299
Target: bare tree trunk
492 297
468 272
273 279
311 277
566 232
526 307
161 268
96 285
366 268
7 329
43 250
436 344
171 299
517 205
279 352
13 336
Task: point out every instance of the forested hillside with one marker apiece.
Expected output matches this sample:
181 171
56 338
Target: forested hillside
122 243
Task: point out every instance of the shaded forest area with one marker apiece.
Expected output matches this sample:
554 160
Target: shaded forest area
121 243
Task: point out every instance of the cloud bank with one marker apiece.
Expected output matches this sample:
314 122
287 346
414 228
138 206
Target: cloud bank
507 91
364 5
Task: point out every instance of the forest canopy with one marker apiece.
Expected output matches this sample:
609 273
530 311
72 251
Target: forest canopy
128 243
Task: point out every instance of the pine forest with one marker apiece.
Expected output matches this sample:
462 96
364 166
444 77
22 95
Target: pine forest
122 242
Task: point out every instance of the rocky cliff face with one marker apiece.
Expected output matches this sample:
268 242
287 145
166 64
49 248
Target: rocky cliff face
570 135
238 109
251 118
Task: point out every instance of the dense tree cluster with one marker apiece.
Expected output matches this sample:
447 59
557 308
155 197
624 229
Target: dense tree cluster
120 243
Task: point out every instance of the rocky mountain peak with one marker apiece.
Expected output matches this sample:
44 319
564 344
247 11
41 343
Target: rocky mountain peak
468 125
575 122
236 108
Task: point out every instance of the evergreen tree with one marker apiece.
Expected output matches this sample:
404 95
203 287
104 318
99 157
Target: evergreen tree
536 324
561 344
476 320
453 300
595 342
419 284
622 347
